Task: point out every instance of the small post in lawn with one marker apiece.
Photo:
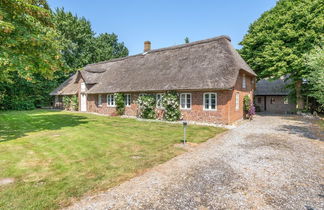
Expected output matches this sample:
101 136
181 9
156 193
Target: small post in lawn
184 131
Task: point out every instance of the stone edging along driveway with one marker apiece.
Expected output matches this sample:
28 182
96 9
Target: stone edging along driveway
269 163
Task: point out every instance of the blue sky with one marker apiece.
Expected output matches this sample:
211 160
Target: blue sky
167 22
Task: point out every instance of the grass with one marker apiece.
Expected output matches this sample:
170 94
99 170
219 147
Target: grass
55 157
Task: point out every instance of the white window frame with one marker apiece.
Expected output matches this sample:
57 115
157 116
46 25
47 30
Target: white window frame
111 102
186 99
158 98
83 87
99 100
237 101
128 100
244 82
209 99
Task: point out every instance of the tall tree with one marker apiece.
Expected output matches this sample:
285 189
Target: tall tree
81 46
278 41
315 78
28 40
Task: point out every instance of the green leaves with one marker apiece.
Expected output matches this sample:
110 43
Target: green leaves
28 40
80 44
315 78
276 43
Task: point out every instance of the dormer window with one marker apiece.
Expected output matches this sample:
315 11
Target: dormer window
244 82
83 87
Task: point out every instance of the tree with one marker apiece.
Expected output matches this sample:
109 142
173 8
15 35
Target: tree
77 39
186 40
107 47
276 43
81 46
28 40
40 49
315 78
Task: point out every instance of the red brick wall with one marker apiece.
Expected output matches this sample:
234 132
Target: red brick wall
197 112
225 112
234 114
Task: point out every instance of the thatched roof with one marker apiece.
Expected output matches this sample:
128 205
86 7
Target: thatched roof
68 87
275 87
207 64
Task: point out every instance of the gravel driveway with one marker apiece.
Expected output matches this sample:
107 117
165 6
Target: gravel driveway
273 162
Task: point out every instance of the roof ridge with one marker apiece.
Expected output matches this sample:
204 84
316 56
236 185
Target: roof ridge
166 48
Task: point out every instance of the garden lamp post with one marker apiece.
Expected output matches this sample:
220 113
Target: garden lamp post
184 131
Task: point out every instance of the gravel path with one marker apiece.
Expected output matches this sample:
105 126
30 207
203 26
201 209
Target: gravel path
272 162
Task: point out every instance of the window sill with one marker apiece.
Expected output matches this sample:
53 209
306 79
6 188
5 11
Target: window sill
210 110
111 106
185 109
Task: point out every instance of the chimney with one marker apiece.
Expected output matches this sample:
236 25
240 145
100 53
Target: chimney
147 46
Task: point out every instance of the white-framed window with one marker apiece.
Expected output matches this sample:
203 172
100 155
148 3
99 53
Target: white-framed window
83 87
210 101
159 97
237 101
128 99
99 100
185 100
111 100
286 101
244 81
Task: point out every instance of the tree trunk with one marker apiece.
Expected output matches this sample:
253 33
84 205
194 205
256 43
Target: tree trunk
299 97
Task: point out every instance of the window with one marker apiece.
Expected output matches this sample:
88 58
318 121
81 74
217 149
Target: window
185 100
159 98
272 101
210 101
99 100
110 100
244 81
286 101
237 101
259 100
83 87
127 100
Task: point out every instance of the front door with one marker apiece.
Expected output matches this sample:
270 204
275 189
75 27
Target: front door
83 102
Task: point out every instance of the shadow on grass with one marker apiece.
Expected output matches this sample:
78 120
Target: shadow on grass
16 124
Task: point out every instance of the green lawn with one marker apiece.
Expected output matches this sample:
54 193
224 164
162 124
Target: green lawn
56 157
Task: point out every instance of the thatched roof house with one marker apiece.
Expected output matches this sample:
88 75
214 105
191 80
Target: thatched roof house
172 68
207 65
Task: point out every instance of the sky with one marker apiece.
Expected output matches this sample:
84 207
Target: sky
167 22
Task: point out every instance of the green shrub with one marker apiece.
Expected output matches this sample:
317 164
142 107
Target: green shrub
246 103
74 103
170 102
120 103
22 103
146 105
66 102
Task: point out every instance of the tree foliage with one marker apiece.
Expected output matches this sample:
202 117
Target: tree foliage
28 40
315 78
39 49
81 46
277 42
